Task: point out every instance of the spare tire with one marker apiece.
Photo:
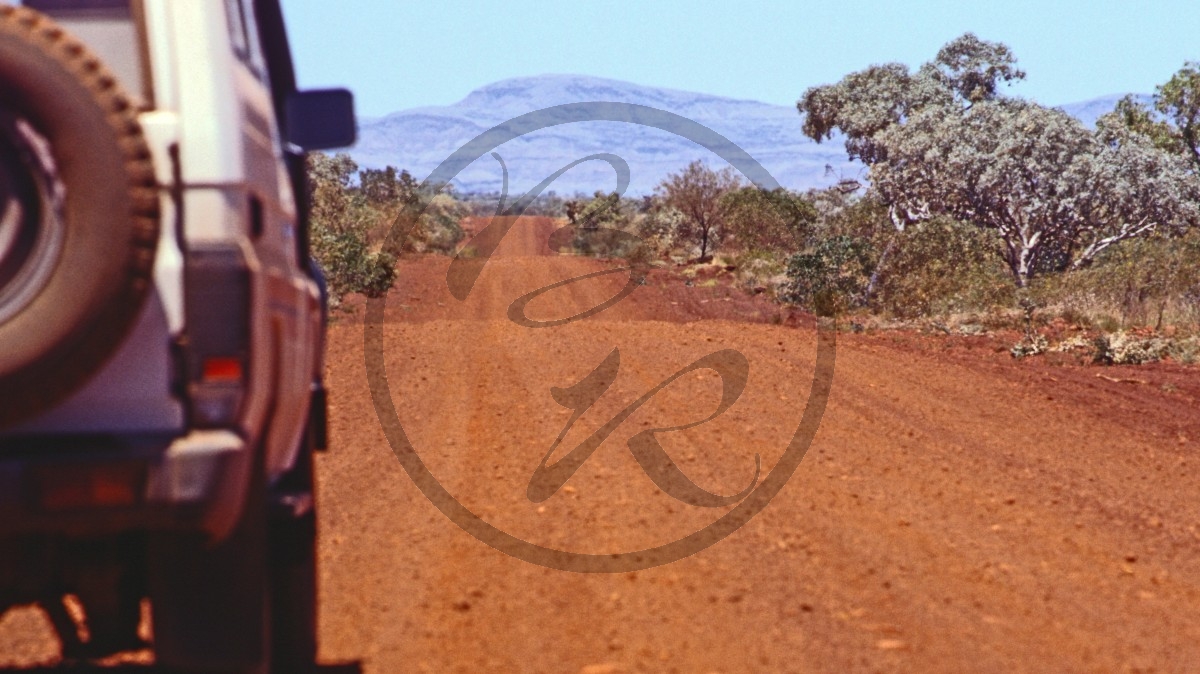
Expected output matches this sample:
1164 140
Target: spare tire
79 216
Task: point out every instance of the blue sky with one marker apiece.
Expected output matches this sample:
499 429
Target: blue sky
398 54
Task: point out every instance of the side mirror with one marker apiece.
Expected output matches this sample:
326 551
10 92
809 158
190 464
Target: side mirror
321 119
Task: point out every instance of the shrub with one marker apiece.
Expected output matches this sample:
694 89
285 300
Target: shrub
349 264
768 220
831 277
609 226
1153 283
942 267
363 220
440 225
658 226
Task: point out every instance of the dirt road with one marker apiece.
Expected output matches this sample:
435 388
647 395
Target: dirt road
957 511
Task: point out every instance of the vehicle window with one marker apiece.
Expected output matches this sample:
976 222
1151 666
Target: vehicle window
237 27
244 32
254 46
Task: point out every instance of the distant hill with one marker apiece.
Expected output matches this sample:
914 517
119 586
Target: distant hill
420 138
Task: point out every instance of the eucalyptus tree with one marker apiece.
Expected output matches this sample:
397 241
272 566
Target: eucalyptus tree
945 141
1179 100
1173 124
1054 193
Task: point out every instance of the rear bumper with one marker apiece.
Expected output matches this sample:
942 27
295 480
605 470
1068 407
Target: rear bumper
196 482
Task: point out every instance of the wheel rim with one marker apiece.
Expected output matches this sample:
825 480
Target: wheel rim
32 225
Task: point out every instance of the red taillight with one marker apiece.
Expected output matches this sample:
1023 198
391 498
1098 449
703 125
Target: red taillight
217 344
221 369
75 487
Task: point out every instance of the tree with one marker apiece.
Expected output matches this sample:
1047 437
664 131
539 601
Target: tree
605 209
696 192
860 106
387 187
1134 116
1055 194
340 219
973 69
602 226
1145 191
966 71
657 223
1176 127
1000 166
944 142
768 220
1179 100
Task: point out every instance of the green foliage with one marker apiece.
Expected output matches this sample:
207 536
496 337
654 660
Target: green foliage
931 268
1131 115
609 242
831 276
384 187
350 266
768 220
1173 125
1179 100
362 220
483 204
1147 283
862 217
943 142
604 209
974 69
429 224
604 227
941 267
697 193
658 225
329 189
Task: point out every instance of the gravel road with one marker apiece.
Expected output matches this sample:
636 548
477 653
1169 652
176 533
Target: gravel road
956 512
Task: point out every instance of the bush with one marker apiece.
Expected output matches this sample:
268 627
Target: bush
349 264
831 277
609 226
1152 283
942 267
658 226
768 220
437 229
363 220
1123 349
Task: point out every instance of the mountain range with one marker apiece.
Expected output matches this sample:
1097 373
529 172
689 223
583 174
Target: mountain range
419 139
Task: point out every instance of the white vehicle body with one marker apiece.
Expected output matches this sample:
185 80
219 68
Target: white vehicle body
177 465
218 154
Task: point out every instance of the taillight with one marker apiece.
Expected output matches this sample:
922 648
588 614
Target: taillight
68 486
217 345
221 369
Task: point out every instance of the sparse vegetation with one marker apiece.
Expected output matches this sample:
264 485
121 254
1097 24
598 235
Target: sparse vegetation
1093 228
978 212
944 142
363 220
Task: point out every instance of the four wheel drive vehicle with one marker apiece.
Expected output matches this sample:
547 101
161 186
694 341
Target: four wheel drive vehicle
161 328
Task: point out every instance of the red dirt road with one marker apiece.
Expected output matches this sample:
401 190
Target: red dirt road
957 511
